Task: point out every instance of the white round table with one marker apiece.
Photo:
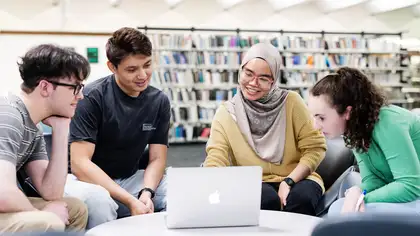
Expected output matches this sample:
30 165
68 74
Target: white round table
271 223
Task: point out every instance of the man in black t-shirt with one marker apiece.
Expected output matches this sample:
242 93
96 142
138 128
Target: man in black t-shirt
119 116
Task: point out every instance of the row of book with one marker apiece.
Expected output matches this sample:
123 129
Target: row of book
309 79
183 81
198 58
188 77
186 96
334 61
191 114
189 133
232 60
201 41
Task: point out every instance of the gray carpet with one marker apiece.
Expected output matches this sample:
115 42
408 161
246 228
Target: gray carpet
186 155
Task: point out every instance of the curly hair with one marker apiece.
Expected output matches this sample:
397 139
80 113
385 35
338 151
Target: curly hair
350 87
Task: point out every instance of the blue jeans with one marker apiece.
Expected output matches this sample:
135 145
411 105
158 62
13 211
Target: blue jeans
101 207
379 207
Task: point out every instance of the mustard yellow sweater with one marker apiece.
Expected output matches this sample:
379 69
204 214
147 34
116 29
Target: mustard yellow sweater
304 144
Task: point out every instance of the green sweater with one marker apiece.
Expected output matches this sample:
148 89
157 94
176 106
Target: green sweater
390 169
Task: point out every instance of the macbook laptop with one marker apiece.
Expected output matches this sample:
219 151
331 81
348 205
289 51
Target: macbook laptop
213 196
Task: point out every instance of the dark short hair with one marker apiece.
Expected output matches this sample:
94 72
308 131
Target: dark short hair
127 41
51 62
350 87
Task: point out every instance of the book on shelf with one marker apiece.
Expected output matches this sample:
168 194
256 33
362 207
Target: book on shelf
200 71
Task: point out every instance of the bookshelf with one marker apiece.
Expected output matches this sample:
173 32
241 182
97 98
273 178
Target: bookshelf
198 68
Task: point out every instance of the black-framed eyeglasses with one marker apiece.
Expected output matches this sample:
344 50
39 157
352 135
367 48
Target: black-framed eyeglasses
76 87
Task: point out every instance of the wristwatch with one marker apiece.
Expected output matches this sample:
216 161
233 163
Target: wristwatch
289 181
152 193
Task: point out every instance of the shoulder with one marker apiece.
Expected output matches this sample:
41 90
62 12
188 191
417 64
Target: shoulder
156 96
11 111
98 88
391 114
222 114
392 118
295 105
293 98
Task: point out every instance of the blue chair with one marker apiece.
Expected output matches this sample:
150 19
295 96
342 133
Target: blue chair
339 172
370 224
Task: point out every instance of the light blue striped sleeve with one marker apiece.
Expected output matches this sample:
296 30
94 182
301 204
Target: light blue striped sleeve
11 133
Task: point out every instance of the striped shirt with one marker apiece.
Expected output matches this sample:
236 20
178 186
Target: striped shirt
21 141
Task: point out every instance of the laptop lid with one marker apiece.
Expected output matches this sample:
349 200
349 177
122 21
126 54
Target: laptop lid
213 196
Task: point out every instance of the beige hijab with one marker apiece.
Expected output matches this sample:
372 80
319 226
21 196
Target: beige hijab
263 122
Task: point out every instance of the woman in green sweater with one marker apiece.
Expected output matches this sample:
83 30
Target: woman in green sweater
384 138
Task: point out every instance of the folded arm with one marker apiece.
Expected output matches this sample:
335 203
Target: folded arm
403 161
49 176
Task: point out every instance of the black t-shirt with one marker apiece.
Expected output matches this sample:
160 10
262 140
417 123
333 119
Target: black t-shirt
120 126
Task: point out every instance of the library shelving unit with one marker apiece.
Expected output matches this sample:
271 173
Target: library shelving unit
198 68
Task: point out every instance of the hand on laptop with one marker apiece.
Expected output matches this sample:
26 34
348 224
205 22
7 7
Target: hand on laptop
284 191
139 208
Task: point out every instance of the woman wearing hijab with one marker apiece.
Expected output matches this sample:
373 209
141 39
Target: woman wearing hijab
266 126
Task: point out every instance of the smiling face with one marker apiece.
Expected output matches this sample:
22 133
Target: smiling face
327 119
62 95
133 73
255 79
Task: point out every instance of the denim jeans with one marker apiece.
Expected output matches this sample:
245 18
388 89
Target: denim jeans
379 207
101 207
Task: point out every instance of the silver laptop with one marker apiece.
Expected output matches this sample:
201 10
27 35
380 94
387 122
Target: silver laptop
213 196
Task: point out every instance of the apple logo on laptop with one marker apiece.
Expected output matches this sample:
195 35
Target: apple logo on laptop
214 198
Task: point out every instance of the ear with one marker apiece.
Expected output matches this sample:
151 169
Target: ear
347 112
111 67
44 88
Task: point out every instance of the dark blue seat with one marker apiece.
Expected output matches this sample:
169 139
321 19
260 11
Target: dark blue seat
370 224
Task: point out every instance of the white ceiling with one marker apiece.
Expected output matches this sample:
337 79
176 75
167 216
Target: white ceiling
327 6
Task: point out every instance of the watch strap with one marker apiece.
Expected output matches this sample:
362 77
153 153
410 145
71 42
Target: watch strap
289 181
152 193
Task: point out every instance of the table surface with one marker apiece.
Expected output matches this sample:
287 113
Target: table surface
271 223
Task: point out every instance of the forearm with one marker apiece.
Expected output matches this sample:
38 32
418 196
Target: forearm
395 192
300 172
54 179
13 200
154 173
87 171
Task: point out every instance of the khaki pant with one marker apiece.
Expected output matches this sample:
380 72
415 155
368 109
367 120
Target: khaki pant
41 221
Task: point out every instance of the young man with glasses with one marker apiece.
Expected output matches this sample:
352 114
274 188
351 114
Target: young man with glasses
119 116
52 82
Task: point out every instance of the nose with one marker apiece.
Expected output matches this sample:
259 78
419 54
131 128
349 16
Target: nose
317 125
79 96
254 82
142 74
